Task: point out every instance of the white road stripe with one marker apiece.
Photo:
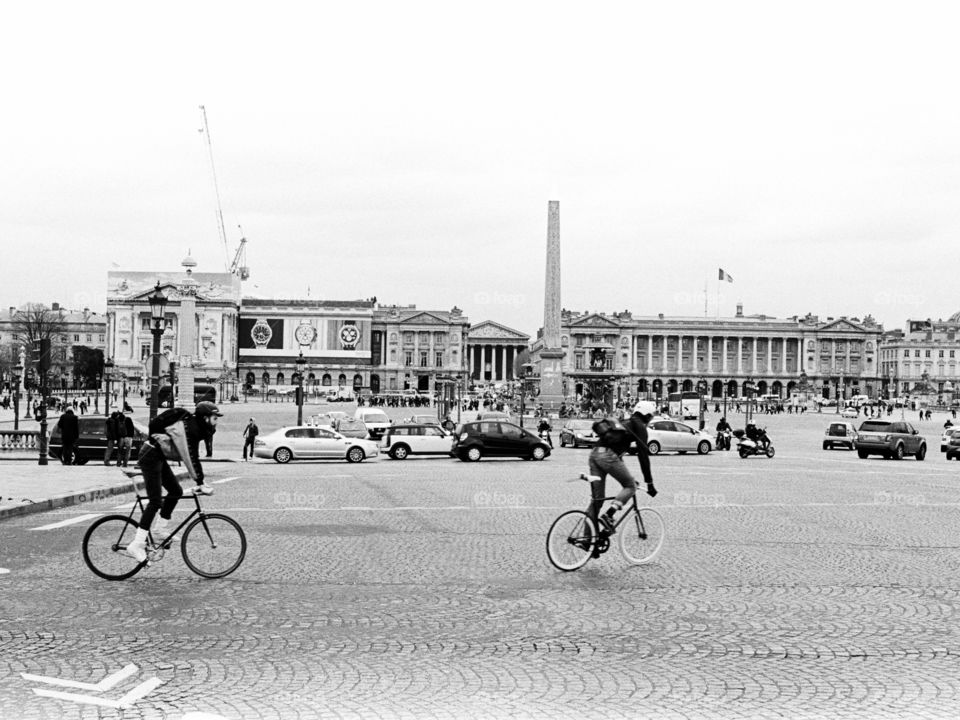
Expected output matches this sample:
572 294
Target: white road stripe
224 480
105 684
4 571
71 521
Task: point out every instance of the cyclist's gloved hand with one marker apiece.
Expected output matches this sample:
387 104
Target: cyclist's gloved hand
651 490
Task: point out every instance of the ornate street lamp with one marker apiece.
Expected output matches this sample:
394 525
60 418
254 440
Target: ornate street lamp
107 376
17 374
301 366
158 304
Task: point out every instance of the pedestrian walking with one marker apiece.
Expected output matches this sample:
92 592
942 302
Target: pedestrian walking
126 431
113 437
249 437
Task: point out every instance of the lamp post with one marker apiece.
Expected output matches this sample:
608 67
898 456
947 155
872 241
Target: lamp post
702 389
107 376
17 374
158 303
301 366
748 387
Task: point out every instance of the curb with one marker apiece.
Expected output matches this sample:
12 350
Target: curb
69 499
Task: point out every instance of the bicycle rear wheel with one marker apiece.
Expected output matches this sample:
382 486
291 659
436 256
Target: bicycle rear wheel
641 536
213 545
105 547
570 540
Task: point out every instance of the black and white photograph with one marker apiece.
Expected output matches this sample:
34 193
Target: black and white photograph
437 360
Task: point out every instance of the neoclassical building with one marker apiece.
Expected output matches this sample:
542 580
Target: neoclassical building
928 348
492 350
201 323
658 355
350 343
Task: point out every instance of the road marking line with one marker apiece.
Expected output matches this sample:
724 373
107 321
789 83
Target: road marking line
225 480
4 571
108 682
71 521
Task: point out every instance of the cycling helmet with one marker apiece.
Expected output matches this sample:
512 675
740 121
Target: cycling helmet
205 408
645 407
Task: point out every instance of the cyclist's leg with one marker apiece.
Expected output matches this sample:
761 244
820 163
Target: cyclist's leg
597 487
174 492
151 463
621 473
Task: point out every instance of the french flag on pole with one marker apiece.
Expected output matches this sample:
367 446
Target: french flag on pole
725 276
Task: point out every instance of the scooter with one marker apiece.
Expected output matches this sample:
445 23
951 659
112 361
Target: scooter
724 439
759 446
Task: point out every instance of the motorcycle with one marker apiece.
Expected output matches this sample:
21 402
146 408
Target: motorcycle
724 439
758 444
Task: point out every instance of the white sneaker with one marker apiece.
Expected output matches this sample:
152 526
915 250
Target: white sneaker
137 549
203 490
160 531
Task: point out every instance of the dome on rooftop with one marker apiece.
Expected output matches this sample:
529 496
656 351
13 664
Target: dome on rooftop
955 318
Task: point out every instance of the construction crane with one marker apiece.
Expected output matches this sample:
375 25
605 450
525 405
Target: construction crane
239 265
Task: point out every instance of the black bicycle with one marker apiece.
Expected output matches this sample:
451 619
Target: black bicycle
573 538
213 545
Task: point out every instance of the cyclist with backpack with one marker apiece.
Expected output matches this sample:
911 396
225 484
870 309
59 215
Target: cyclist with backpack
613 440
184 431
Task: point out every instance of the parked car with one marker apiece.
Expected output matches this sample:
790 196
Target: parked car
891 439
421 420
577 433
948 433
351 427
400 441
673 436
92 444
375 419
850 412
953 449
840 434
307 442
497 438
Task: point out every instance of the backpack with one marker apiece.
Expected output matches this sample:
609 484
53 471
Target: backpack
610 433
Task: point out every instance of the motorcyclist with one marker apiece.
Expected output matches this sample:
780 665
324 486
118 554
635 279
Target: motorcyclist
758 436
543 428
722 427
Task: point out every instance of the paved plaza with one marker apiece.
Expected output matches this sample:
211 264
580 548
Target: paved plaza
811 585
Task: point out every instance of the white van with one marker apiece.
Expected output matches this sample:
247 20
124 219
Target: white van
375 419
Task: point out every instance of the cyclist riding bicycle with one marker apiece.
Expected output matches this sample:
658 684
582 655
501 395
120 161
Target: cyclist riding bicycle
184 431
613 440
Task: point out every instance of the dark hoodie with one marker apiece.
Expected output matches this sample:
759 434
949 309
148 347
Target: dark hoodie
196 431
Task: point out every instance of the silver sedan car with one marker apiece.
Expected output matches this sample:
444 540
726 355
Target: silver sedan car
674 436
309 442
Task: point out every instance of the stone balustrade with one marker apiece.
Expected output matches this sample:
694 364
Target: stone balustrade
19 440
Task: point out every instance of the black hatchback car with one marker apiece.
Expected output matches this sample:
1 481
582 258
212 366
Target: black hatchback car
93 439
497 439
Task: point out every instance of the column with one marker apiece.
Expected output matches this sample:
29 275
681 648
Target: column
649 353
723 358
710 354
740 355
664 358
680 339
783 359
754 370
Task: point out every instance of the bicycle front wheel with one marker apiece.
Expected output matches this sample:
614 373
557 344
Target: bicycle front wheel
105 547
641 536
213 545
570 540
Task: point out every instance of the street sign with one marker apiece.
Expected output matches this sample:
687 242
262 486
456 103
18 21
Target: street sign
164 365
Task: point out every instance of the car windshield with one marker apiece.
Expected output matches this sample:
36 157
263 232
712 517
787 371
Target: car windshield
874 426
375 417
581 425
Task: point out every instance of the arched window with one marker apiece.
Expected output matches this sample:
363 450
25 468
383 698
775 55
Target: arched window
326 380
687 385
280 378
342 380
357 381
374 384
265 378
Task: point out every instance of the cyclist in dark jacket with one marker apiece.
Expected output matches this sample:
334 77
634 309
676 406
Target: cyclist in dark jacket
158 476
636 425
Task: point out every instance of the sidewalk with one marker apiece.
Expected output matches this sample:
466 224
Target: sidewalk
26 487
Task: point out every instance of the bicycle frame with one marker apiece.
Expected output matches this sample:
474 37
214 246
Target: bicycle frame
138 504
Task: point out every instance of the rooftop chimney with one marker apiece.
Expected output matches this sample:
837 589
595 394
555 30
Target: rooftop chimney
739 309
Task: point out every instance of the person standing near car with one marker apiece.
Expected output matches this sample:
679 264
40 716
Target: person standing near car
126 430
69 427
113 436
249 438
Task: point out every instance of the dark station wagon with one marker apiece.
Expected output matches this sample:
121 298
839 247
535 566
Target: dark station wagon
93 440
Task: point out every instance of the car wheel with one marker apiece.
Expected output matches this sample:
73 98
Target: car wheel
862 455
563 442
539 452
898 453
474 454
282 455
826 446
703 448
355 454
654 447
399 452
922 452
81 461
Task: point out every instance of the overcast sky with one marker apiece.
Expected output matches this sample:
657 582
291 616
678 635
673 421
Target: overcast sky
408 151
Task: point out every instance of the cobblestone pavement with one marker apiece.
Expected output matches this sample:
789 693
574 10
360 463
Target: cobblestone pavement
811 585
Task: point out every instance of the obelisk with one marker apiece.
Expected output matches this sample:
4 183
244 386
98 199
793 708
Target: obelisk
551 354
186 371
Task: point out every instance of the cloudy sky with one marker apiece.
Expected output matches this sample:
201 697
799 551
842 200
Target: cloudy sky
408 151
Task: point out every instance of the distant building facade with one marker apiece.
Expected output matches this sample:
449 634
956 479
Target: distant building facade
654 356
925 352
492 350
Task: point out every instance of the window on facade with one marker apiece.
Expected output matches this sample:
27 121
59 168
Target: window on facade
89 338
916 353
423 358
76 338
408 358
578 361
941 353
408 337
579 340
926 353
100 338
951 353
439 359
144 351
609 363
906 353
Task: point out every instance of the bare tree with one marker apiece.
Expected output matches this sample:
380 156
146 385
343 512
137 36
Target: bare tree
35 322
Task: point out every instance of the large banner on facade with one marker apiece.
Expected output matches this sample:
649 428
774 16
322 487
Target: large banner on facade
347 335
261 333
